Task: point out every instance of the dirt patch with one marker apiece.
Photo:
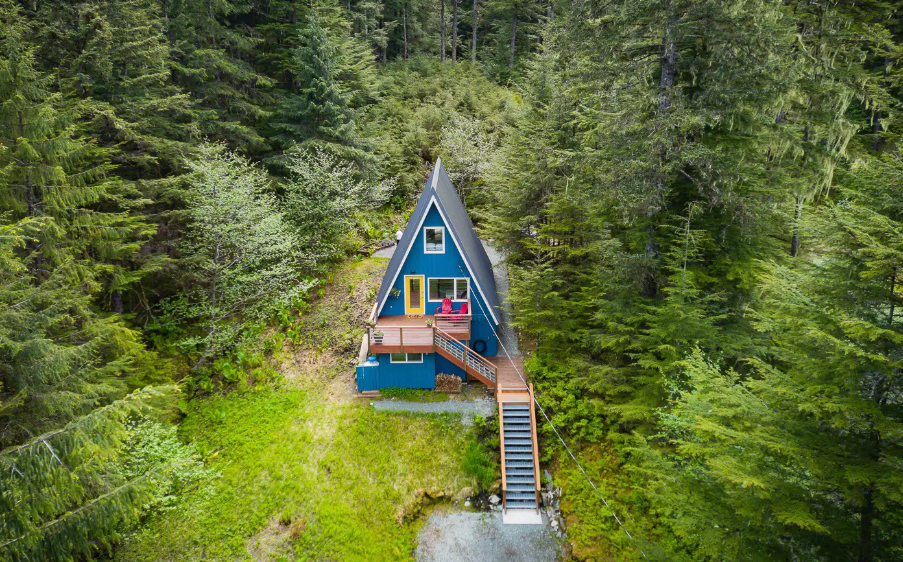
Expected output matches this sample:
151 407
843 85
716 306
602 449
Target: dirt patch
324 341
270 542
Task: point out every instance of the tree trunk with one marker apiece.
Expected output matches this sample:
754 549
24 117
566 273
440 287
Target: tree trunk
513 34
666 82
892 300
795 239
866 517
473 39
455 30
669 64
385 46
116 302
442 27
405 28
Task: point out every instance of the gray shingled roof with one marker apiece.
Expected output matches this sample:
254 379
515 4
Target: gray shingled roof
439 185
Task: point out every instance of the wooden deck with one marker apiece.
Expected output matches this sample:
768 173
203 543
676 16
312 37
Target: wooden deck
410 334
508 382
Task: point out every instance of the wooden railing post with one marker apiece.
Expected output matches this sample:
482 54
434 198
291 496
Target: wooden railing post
401 339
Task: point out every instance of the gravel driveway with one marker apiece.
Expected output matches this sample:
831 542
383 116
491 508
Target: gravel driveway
482 537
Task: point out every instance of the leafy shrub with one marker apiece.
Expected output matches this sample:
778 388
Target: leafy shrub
478 462
155 452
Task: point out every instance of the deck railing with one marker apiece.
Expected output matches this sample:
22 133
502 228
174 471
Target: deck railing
470 358
453 322
405 338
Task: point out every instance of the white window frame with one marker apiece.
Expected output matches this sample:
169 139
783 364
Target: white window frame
444 240
456 279
406 361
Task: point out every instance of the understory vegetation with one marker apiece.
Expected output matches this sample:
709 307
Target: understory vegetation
701 204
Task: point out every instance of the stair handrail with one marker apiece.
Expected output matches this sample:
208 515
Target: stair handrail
471 353
535 441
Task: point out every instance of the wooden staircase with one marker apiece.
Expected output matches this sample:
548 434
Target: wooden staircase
472 362
520 449
519 459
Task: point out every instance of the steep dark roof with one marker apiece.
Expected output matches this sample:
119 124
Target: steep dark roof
439 188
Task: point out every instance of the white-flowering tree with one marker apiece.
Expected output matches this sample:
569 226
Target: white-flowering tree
242 255
468 151
323 197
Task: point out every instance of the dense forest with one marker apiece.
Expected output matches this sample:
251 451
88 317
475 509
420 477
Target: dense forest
701 201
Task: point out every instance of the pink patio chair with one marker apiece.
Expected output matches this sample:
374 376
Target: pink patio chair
446 307
463 309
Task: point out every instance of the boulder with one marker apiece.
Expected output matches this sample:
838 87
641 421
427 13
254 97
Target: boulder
464 494
494 499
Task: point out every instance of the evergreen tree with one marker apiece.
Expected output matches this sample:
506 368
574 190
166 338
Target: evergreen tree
317 111
213 64
48 170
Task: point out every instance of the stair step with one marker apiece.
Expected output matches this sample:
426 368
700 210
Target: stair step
519 462
525 427
516 406
509 496
519 505
522 488
518 457
518 435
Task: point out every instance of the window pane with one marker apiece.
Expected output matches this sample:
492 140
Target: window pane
415 357
461 291
434 239
434 289
398 357
446 289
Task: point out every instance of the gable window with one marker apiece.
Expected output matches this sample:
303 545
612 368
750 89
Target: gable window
406 358
456 289
434 240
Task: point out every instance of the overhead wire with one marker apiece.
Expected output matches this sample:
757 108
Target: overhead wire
558 435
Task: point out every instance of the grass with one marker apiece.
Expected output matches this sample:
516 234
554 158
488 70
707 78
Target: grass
343 472
306 471
414 394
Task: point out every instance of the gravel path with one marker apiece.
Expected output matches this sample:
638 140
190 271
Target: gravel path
467 408
507 337
385 252
482 537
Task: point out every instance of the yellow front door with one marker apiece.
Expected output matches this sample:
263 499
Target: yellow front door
414 299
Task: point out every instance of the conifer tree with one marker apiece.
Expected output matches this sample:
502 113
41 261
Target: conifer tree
47 170
318 111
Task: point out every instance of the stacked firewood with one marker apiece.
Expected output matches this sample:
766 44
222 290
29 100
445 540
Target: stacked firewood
448 383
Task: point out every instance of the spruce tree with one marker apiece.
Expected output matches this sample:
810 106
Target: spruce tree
317 111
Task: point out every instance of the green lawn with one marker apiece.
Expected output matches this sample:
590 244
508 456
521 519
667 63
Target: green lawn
307 471
304 479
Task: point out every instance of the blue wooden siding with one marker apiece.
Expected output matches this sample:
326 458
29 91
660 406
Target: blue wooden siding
407 375
443 365
449 264
367 377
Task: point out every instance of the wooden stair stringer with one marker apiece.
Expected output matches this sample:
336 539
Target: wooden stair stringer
470 371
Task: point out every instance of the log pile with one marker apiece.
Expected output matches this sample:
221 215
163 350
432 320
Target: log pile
448 383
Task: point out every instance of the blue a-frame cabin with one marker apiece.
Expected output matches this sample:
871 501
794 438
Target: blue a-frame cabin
439 256
409 342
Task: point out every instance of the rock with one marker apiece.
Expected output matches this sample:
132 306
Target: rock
496 486
555 524
467 504
546 498
464 494
494 499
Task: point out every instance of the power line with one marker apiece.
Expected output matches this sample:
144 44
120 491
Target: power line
558 435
